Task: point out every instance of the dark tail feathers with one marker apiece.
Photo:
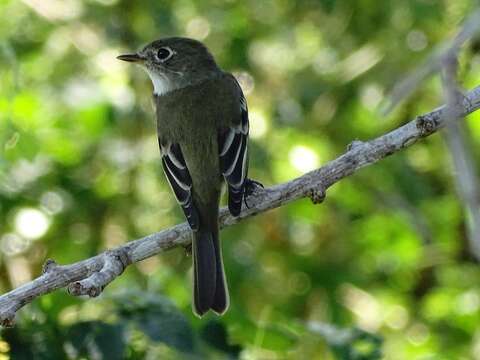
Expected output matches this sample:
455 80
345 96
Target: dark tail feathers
209 286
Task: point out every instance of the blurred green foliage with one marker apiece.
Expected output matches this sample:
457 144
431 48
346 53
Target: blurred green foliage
381 269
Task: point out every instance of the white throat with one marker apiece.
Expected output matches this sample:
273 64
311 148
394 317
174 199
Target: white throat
161 85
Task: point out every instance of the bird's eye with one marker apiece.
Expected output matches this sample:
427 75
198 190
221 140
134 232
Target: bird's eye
164 53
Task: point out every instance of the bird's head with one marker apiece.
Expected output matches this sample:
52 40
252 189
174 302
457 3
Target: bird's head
174 63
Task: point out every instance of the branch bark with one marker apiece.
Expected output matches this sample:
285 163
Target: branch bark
466 179
90 276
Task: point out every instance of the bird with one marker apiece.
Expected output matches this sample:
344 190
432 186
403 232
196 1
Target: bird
203 128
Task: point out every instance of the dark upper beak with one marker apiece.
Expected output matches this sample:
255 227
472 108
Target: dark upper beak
131 58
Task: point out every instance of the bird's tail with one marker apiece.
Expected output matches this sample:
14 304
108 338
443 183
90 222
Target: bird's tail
209 285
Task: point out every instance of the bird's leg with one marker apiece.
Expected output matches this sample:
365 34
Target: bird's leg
251 186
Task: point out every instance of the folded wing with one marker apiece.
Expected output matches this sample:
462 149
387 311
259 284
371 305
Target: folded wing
233 151
179 178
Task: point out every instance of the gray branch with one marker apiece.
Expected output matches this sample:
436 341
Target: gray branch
466 179
90 276
435 62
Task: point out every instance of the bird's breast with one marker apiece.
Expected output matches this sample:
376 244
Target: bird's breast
191 122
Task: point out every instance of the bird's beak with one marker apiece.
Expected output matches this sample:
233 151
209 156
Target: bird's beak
135 58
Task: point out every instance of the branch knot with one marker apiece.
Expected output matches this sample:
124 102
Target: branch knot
355 144
114 263
426 124
317 195
49 266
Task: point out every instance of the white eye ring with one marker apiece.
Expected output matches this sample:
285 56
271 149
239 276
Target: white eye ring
164 53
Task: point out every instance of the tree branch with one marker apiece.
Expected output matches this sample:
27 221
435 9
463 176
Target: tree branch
466 179
90 276
435 62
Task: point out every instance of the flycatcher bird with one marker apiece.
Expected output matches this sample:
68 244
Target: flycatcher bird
202 123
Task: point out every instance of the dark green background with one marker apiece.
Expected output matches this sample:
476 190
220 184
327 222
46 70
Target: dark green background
381 267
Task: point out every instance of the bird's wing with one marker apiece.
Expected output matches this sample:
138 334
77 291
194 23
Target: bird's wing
233 151
179 178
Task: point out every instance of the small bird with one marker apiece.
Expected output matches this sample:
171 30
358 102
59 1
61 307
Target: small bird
202 123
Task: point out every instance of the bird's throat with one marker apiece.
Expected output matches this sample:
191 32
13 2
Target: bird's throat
161 84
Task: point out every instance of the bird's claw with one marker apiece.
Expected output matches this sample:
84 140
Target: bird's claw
251 186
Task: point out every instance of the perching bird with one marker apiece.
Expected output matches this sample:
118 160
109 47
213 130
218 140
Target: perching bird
202 122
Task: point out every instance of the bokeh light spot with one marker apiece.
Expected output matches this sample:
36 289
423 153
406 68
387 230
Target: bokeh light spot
198 28
417 40
52 202
303 158
12 244
258 124
31 223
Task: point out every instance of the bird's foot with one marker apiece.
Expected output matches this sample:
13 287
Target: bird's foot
251 186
